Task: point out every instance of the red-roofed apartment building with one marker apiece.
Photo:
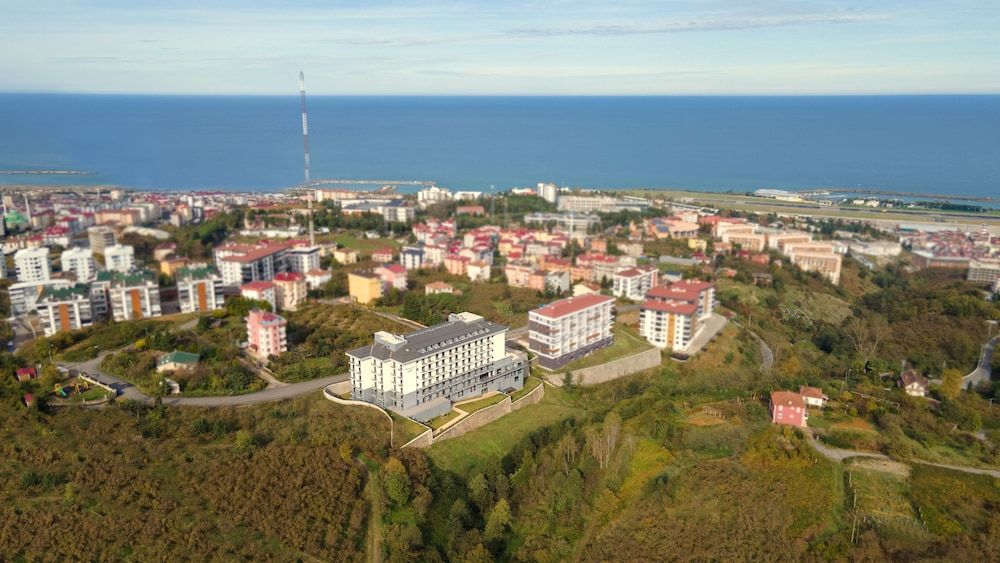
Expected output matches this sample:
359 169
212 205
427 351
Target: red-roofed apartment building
571 328
393 276
673 315
633 283
290 290
266 334
260 291
788 407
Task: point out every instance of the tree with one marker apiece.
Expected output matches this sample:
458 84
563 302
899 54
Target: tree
951 383
866 336
603 442
396 482
245 443
479 491
497 522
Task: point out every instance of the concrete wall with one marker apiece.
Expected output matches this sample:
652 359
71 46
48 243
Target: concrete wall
613 370
531 398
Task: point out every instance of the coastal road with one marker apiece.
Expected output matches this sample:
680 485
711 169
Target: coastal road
128 391
983 371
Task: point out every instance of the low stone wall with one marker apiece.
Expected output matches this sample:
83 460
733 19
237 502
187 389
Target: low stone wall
476 419
613 370
533 397
422 441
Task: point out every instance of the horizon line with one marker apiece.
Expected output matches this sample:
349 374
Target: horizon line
507 95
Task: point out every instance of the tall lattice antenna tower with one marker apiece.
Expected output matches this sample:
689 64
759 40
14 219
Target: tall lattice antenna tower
305 150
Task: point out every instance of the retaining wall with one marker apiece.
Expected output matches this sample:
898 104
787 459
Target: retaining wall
613 370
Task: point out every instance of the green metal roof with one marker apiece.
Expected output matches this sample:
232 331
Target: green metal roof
198 273
64 293
178 357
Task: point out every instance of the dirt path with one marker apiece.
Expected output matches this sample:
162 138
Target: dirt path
373 542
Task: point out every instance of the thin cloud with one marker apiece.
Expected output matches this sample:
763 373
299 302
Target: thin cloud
691 25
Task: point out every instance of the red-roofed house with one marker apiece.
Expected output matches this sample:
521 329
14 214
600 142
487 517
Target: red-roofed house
788 407
393 276
260 291
290 289
266 334
26 374
813 396
382 255
633 283
571 328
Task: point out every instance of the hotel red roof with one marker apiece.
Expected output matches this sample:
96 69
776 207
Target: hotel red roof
572 305
257 286
676 307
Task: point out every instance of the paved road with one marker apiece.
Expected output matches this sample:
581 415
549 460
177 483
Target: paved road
767 356
128 391
983 371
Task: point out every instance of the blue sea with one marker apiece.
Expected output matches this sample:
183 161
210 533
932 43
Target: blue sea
940 144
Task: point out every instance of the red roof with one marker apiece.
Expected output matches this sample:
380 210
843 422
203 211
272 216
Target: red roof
661 292
257 286
572 305
787 398
811 392
395 268
287 276
676 307
694 284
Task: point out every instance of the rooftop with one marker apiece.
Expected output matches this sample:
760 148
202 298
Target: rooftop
787 398
572 305
676 307
177 357
257 286
459 329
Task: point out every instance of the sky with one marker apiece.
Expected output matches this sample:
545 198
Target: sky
501 47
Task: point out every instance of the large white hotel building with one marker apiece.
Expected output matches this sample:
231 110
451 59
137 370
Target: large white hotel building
571 328
420 374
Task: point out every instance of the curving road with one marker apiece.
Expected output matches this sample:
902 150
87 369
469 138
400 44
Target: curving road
128 391
983 371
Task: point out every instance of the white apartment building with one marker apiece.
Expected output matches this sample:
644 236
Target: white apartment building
101 237
32 264
261 291
412 257
301 259
244 264
548 192
81 262
668 324
984 271
63 309
135 295
199 289
290 290
571 328
633 283
421 373
119 258
432 195
24 295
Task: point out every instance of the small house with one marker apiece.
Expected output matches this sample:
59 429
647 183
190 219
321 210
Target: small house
813 396
177 361
437 287
26 374
788 408
383 255
913 383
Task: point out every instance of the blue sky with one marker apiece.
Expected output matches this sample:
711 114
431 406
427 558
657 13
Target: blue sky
501 47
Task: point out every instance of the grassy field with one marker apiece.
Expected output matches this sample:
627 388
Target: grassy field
626 343
481 404
464 453
733 347
365 245
495 301
529 384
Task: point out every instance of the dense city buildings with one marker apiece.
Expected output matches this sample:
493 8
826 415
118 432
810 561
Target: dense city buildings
199 289
266 334
571 328
422 373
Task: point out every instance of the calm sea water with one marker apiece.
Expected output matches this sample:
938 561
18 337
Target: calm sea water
941 144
